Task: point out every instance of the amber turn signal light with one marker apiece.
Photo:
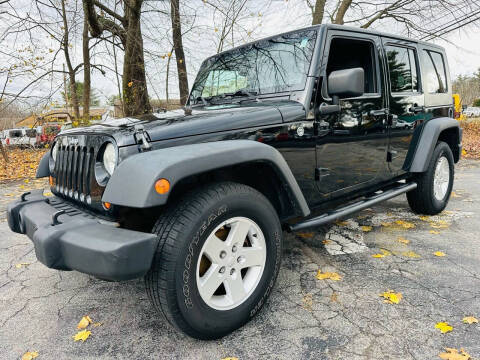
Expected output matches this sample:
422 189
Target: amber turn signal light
50 180
107 205
162 186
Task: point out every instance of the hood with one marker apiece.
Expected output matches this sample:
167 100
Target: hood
210 119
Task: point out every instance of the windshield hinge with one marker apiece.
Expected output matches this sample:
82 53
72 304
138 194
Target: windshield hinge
141 137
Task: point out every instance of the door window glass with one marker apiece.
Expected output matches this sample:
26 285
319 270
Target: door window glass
402 67
352 53
436 79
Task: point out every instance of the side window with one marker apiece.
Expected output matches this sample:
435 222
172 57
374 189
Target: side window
402 66
352 53
435 73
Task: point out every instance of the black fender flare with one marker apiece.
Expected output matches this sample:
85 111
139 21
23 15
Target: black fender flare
43 169
423 149
132 183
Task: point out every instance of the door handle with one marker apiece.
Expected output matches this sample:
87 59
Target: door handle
379 112
392 120
417 109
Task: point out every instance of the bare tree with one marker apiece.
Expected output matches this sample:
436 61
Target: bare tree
421 18
179 53
127 28
87 84
317 10
71 70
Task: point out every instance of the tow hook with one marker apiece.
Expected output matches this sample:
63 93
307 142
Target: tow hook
142 136
55 216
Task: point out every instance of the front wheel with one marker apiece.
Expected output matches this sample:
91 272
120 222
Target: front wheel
434 185
217 260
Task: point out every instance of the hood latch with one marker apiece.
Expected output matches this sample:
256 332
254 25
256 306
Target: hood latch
141 136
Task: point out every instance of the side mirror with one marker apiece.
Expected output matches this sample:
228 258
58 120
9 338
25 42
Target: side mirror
343 84
346 83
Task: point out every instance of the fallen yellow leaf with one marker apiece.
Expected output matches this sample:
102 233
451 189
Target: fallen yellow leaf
366 228
439 253
454 194
307 302
18 266
441 224
130 84
391 297
82 335
230 358
453 354
84 322
424 218
306 235
97 324
470 320
443 327
325 242
402 240
405 224
328 275
26 181
341 223
411 254
29 355
334 297
382 254
434 232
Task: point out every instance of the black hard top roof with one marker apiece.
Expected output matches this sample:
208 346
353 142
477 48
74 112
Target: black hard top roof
343 28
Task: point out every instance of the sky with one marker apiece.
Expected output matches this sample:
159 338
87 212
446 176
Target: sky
201 40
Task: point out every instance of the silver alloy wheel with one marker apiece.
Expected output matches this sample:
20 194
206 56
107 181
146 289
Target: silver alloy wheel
231 263
441 178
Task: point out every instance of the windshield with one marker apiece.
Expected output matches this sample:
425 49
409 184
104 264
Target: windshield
268 66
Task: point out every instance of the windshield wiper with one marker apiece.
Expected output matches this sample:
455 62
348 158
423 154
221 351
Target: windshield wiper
252 95
205 101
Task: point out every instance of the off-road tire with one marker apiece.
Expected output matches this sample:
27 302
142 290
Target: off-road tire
422 200
182 230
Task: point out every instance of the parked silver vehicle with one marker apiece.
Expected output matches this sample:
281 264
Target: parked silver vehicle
19 137
472 111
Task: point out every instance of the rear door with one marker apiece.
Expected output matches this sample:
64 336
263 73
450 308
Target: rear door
406 99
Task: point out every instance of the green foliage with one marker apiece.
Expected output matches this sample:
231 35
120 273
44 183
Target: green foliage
94 100
476 102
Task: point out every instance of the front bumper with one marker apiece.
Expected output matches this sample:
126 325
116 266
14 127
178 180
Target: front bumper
77 240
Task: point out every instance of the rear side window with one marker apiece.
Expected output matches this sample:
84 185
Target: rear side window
436 75
402 66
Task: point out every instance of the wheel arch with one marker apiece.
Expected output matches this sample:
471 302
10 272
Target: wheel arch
439 129
186 166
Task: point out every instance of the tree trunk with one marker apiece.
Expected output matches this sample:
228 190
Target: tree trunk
318 12
134 83
71 71
342 9
86 73
179 53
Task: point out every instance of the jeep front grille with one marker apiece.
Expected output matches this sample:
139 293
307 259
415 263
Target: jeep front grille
74 170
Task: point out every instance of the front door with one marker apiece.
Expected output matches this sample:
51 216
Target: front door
406 100
352 145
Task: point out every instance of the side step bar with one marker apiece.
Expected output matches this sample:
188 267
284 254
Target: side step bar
352 208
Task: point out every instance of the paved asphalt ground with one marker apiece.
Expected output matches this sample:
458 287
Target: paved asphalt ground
305 318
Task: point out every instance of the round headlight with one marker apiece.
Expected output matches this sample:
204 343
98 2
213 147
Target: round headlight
54 152
109 158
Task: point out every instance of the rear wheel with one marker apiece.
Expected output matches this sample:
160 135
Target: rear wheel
217 259
434 185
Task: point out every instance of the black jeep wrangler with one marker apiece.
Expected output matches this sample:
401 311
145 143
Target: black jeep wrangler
196 200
